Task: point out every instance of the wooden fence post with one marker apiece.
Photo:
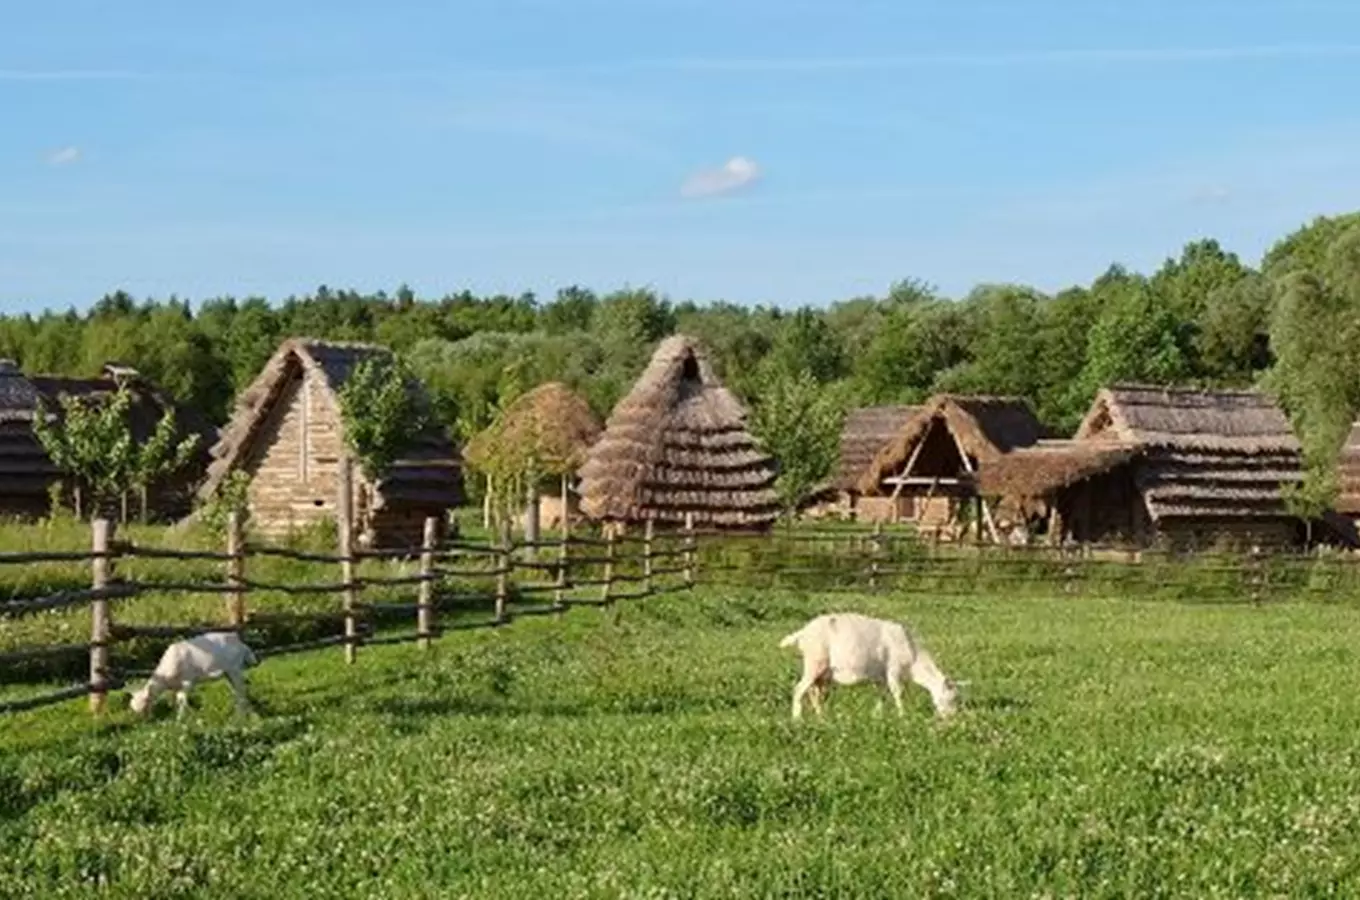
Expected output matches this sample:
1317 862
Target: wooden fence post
425 598
873 555
344 521
236 570
648 531
503 560
689 549
608 565
101 623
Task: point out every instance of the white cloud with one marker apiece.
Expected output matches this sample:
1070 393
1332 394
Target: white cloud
64 157
733 175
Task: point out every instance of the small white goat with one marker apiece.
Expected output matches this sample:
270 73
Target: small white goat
202 658
848 648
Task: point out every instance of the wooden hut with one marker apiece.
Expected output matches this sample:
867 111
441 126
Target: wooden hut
1184 467
678 445
547 431
936 456
288 436
865 432
26 473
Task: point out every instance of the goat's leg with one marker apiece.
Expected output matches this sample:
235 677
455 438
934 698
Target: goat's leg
238 688
813 672
182 701
818 693
895 689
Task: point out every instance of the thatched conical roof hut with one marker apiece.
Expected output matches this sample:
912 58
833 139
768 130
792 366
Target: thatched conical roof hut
678 445
552 424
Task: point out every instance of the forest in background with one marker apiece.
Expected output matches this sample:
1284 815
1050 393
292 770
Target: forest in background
1290 325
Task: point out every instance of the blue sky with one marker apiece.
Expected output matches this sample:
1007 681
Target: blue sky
772 151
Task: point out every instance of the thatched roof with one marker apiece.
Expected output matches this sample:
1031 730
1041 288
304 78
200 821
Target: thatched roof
1348 474
986 427
677 444
1190 419
1204 454
426 475
26 471
551 423
866 431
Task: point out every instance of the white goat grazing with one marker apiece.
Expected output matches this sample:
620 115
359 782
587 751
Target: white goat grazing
849 648
202 658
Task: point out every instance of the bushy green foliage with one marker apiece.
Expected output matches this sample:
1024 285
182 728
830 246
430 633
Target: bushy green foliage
381 413
1109 748
798 421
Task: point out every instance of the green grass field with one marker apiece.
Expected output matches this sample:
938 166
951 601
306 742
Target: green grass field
1109 748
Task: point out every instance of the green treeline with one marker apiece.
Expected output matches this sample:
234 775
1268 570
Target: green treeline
1205 317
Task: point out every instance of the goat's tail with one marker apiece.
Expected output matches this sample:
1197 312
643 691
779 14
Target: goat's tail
792 639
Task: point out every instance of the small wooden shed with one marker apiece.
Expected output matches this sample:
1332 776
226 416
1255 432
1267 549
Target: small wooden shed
677 445
288 436
26 473
1183 467
936 456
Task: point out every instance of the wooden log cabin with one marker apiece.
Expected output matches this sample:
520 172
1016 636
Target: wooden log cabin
287 434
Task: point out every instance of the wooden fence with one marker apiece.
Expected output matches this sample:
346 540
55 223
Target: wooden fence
455 585
458 585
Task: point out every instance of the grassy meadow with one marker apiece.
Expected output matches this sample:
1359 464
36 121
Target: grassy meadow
1111 746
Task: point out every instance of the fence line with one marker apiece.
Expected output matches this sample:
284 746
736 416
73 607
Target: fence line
622 567
438 596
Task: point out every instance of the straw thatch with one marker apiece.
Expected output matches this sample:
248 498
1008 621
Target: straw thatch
678 444
1196 453
551 425
986 428
287 433
1348 475
26 473
866 431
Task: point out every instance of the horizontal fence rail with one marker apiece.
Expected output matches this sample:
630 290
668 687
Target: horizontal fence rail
422 593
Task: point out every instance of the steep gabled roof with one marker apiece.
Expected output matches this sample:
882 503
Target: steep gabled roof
428 472
866 431
678 444
986 428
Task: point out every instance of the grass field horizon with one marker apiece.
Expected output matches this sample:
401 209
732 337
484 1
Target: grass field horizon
1108 746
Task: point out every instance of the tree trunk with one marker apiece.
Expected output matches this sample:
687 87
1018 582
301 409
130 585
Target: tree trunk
78 494
486 505
123 506
145 492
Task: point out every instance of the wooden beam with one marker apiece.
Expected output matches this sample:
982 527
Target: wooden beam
982 504
932 482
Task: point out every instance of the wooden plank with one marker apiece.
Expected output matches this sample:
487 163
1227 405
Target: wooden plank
101 623
345 526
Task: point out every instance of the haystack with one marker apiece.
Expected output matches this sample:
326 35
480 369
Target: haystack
678 445
548 431
933 461
288 436
1193 465
26 473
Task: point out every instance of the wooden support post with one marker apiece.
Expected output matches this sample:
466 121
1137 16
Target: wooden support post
873 555
101 622
689 549
504 559
425 599
344 522
647 533
236 570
